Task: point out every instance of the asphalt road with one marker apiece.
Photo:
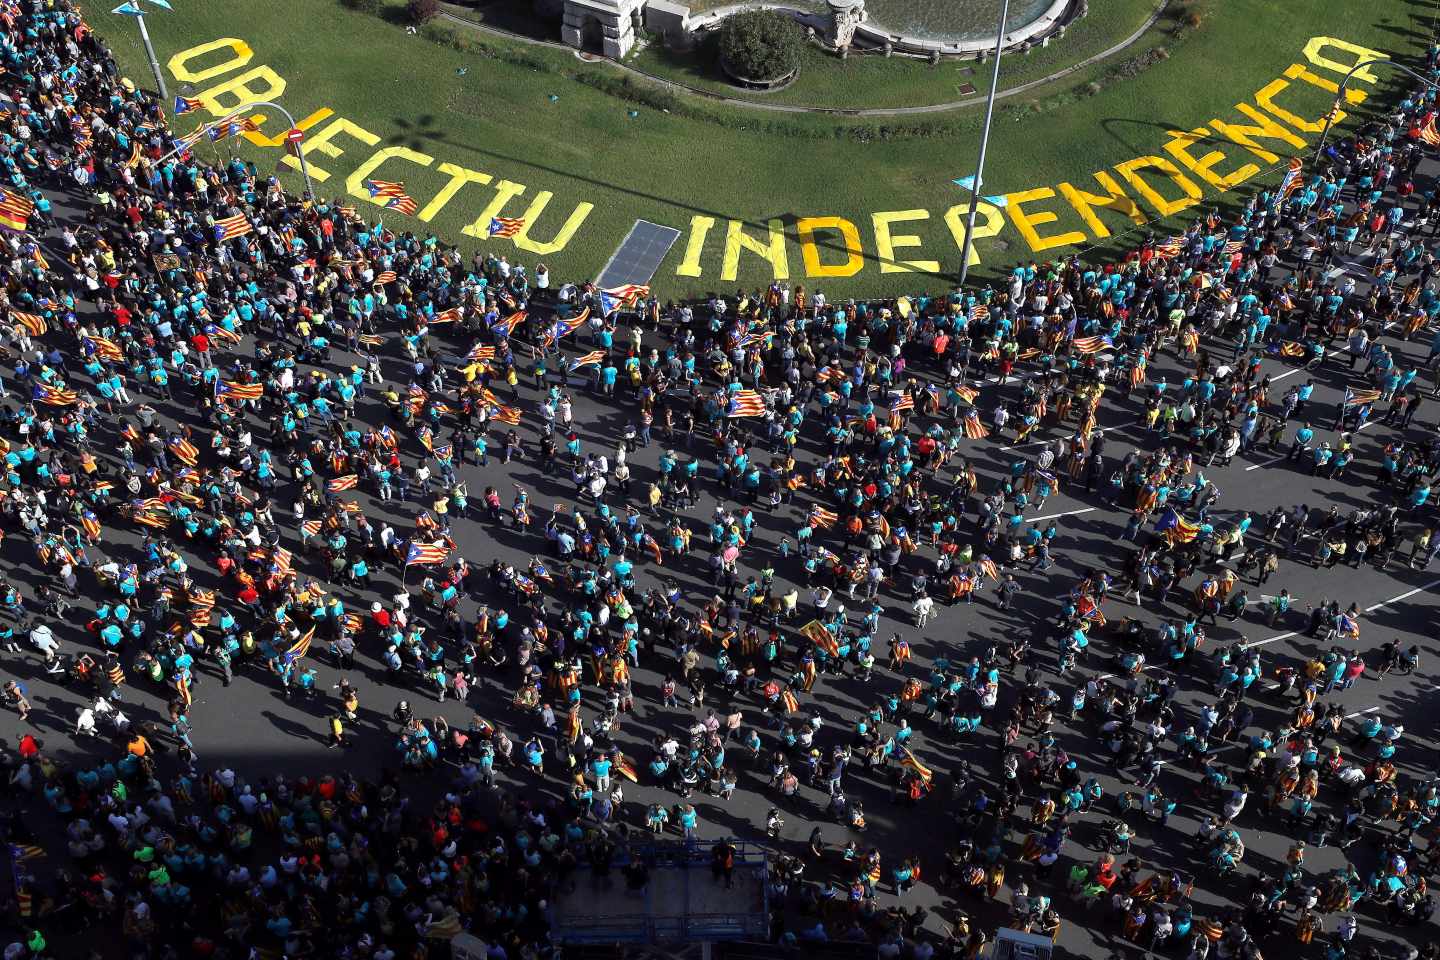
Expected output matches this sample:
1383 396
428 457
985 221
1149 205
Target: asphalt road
254 728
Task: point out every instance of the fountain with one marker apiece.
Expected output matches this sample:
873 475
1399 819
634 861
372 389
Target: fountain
927 28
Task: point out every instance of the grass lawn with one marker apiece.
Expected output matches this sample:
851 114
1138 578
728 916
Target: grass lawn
549 135
871 80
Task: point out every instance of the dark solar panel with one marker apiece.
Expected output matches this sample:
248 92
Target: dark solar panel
638 256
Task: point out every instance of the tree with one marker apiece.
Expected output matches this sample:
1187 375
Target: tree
761 45
421 11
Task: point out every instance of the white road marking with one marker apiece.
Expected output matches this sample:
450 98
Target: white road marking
1149 668
1038 443
1267 463
1407 594
1288 373
1261 643
1375 606
1056 516
1361 713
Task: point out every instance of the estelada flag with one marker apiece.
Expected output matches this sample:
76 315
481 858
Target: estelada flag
387 277
91 525
820 635
1091 344
1355 397
403 204
311 528
34 324
228 228
239 391
1428 133
446 316
339 484
385 188
53 396
745 403
626 768
791 703
184 451
300 647
506 327
15 209
563 327
908 760
151 519
107 349
987 567
822 518
505 227
974 429
425 553
592 358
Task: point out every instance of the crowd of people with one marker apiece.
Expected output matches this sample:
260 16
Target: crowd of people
242 439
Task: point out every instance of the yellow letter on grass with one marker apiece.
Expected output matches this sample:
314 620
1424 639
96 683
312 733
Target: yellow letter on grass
886 242
355 184
1114 199
700 228
562 237
1265 127
505 191
320 143
771 249
260 140
988 222
1266 98
1130 170
1360 54
1027 222
1204 167
244 90
805 229
459 176
178 64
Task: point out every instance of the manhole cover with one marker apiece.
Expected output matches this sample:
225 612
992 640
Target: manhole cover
966 89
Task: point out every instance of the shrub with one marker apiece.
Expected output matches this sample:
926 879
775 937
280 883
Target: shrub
421 11
761 44
371 7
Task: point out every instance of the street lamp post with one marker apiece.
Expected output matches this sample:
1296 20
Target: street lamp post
299 153
154 61
1340 96
131 8
984 142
